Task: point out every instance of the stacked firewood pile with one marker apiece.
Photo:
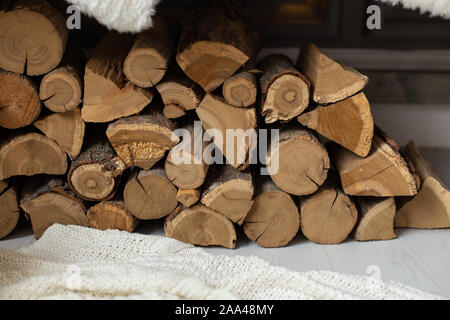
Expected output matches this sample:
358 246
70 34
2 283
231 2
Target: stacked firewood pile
103 151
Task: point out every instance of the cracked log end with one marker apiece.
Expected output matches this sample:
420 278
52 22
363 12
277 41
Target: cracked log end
111 215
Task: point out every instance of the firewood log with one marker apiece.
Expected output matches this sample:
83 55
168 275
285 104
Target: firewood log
331 81
201 226
151 53
285 90
179 93
19 101
108 95
430 208
274 219
376 218
28 154
149 195
185 167
384 173
34 37
229 192
348 123
9 208
303 161
214 44
95 174
67 129
329 215
241 89
61 90
49 200
111 215
188 197
215 114
142 141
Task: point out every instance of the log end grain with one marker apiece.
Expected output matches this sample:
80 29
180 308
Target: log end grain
111 215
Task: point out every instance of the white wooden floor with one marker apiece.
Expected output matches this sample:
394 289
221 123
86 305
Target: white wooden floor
418 258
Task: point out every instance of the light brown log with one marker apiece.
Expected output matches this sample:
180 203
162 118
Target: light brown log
186 168
19 101
241 89
229 192
34 37
108 95
149 195
274 219
95 174
61 90
179 93
188 197
303 162
331 81
285 91
201 226
214 44
111 215
151 53
49 200
430 208
29 154
67 129
215 114
142 141
384 173
348 123
9 208
328 216
376 218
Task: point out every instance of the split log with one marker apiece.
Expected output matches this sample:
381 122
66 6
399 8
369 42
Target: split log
201 226
185 165
229 192
19 101
62 89
111 215
179 93
49 200
285 90
328 216
348 123
149 195
108 96
241 90
29 154
331 81
274 219
376 218
300 164
95 174
151 53
67 129
142 141
34 37
215 114
188 197
213 45
9 208
384 173
430 208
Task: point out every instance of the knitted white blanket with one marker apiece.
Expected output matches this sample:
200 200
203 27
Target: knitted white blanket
71 262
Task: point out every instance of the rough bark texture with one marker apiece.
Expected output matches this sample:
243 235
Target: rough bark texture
229 191
274 219
201 226
111 215
348 123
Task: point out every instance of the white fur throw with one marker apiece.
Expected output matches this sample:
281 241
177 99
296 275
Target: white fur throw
121 15
435 7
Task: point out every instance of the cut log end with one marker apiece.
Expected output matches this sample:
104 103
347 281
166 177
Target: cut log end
201 226
145 67
241 90
111 215
188 197
9 210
